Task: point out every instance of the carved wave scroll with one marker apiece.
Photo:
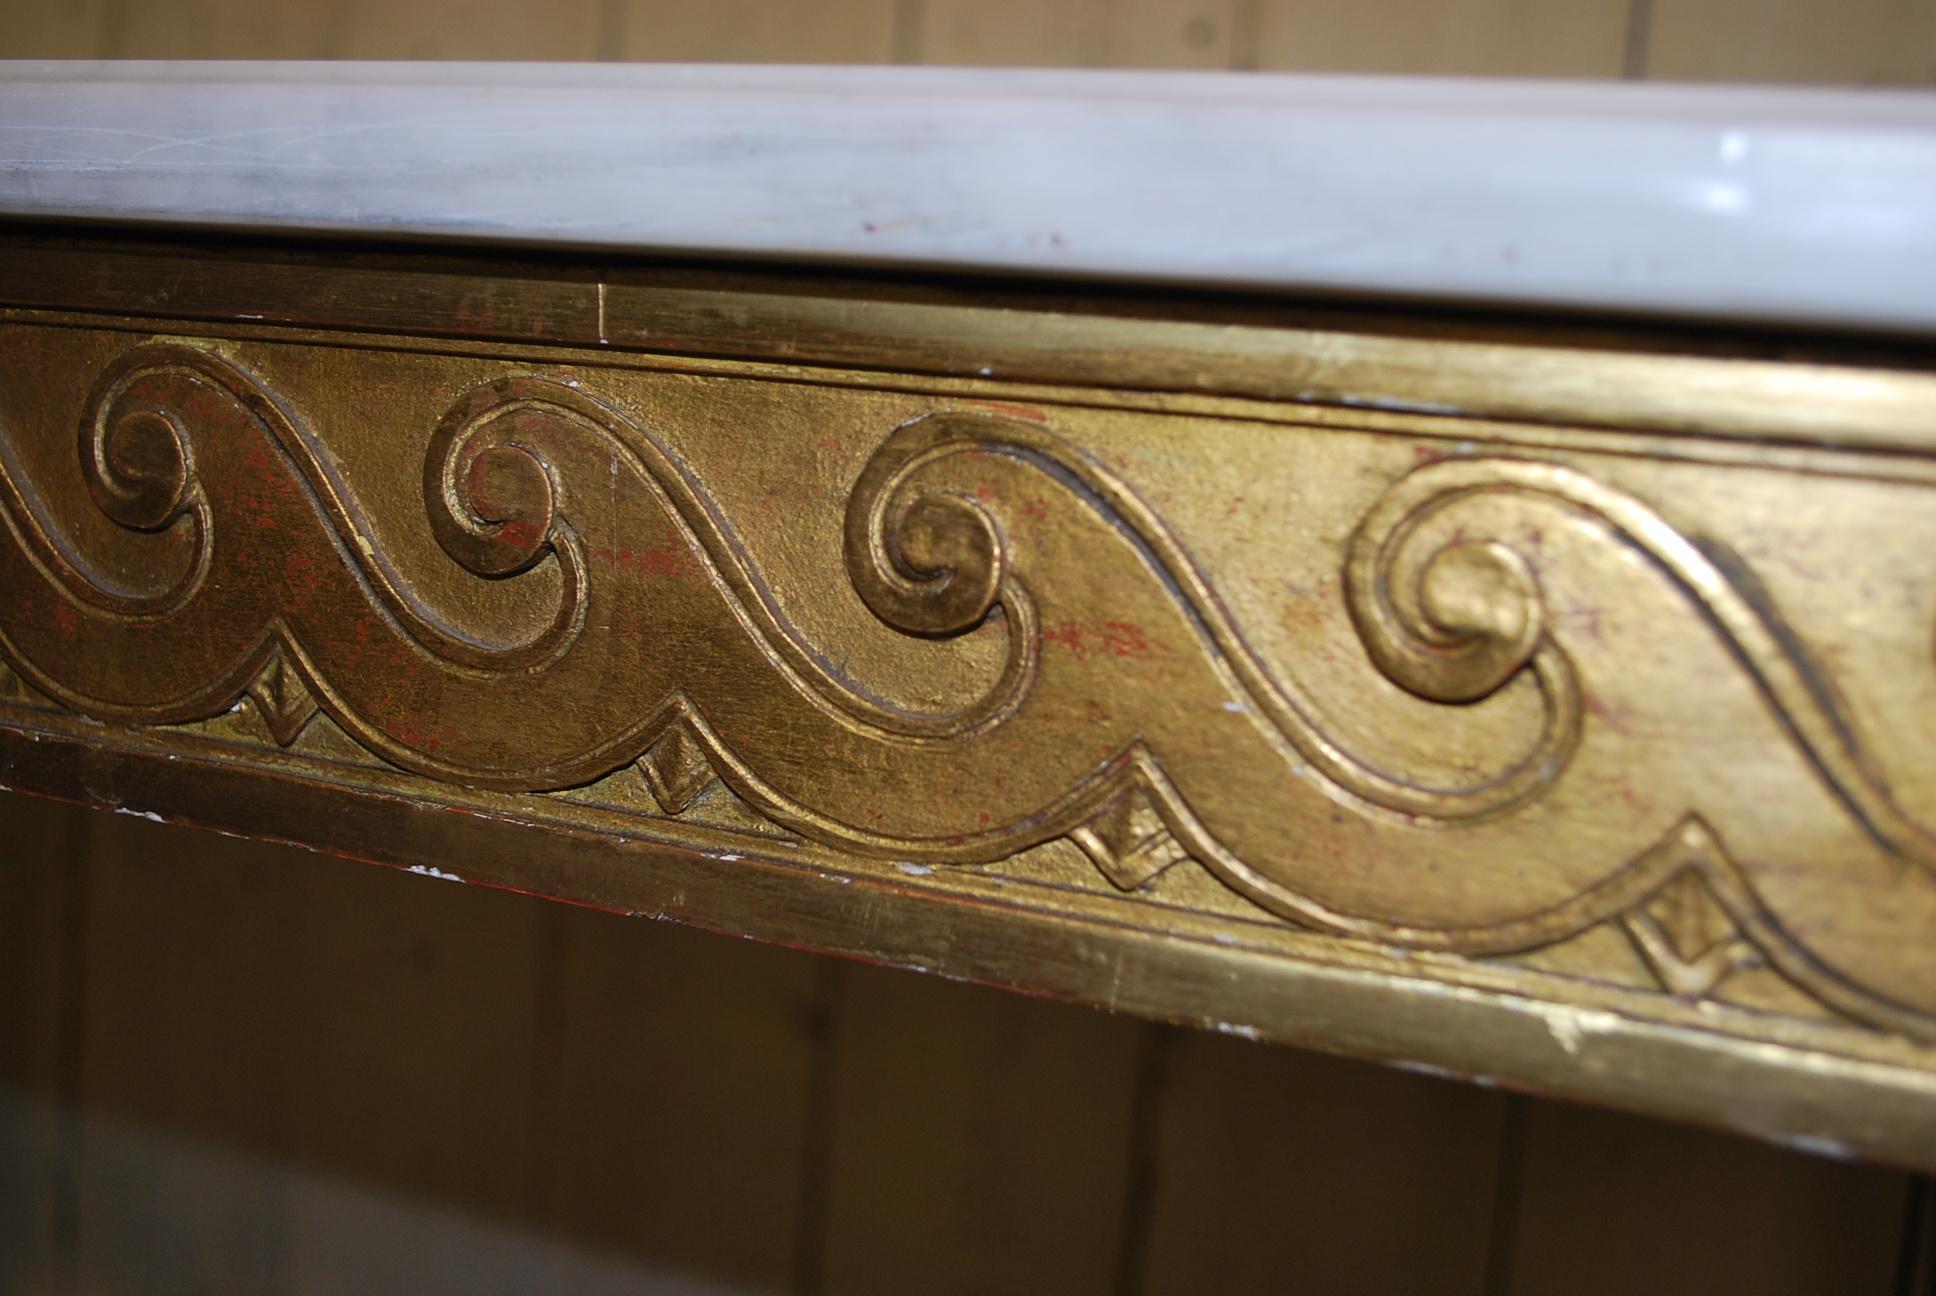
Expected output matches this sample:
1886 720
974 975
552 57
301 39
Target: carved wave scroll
267 575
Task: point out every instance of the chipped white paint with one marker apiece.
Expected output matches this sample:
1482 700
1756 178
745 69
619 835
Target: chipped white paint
1395 406
1427 1069
1816 1146
149 815
1794 205
914 870
427 870
1570 1026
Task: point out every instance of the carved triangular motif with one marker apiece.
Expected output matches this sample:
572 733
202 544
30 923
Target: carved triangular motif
676 769
1687 937
281 699
1128 840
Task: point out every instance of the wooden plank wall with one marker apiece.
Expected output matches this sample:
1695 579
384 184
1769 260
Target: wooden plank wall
1864 42
227 1067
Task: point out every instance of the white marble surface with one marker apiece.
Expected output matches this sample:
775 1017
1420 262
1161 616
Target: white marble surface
1801 206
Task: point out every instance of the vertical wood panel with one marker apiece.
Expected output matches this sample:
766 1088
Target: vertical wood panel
413 1004
980 1141
41 881
554 31
1013 33
1545 38
190 1027
246 1000
678 1122
1170 33
37 29
1279 1170
755 31
1884 42
225 29
1611 1204
1853 42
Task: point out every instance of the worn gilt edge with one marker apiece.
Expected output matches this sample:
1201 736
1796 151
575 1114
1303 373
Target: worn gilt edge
625 827
1866 1096
1731 439
1317 356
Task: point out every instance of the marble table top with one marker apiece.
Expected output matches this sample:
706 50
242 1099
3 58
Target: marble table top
1812 207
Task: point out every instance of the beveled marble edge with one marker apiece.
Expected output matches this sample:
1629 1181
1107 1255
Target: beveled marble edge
1805 207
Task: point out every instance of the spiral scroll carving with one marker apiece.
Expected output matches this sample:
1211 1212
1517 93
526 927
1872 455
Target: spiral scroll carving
270 559
933 564
1458 626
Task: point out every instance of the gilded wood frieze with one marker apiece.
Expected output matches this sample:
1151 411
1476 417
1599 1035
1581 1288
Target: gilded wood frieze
1569 704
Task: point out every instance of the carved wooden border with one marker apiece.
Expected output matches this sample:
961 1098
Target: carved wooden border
1637 791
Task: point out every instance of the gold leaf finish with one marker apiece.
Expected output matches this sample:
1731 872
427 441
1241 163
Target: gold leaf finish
676 768
281 700
1472 693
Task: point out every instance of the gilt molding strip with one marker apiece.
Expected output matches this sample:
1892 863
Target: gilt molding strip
1572 717
1355 360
